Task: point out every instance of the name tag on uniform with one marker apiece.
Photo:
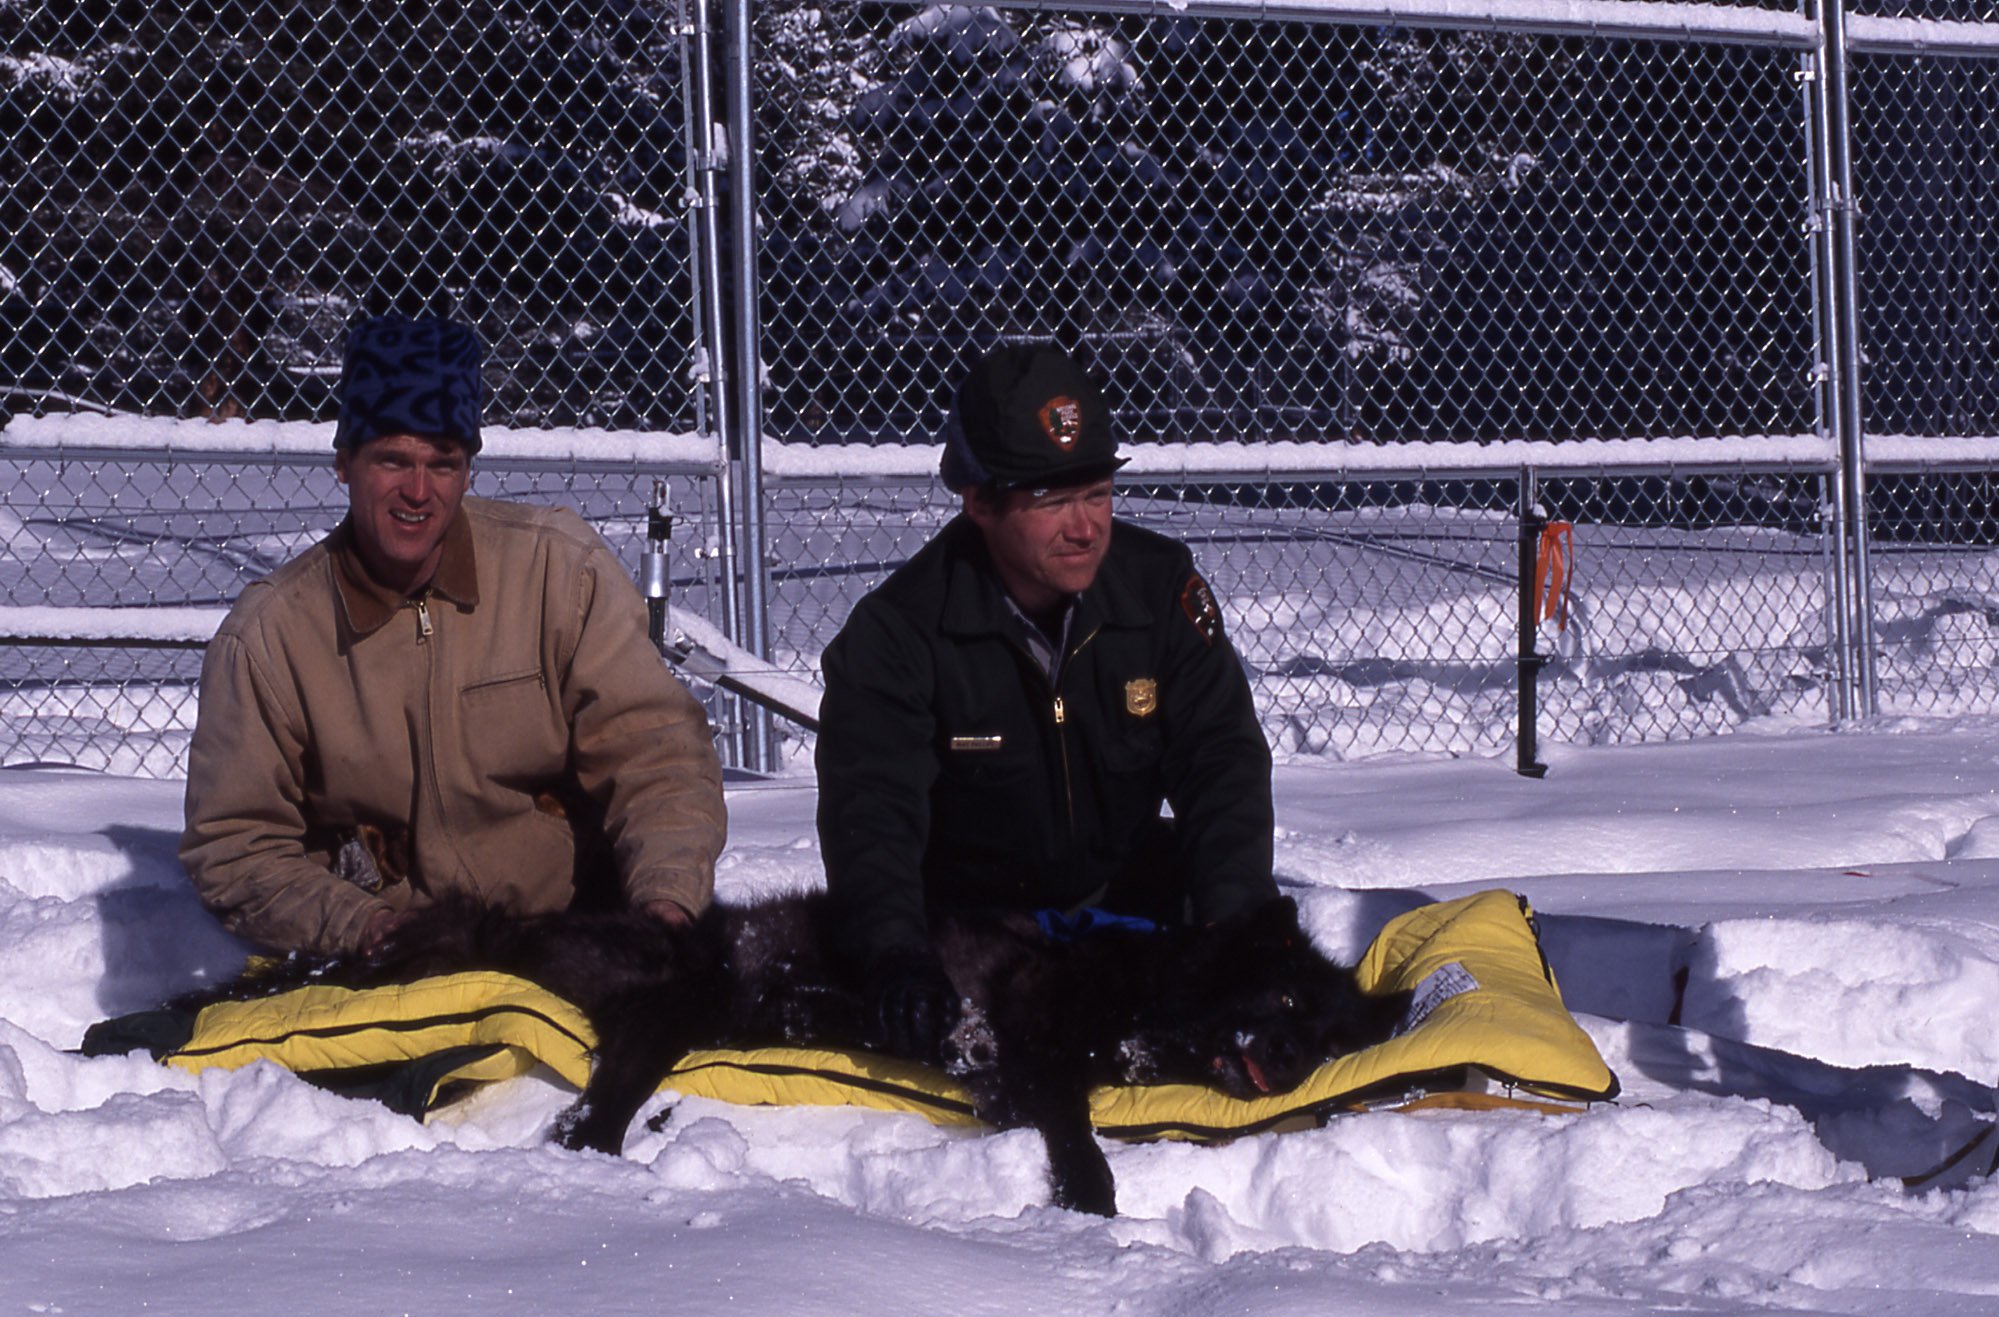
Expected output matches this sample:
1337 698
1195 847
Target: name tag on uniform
977 742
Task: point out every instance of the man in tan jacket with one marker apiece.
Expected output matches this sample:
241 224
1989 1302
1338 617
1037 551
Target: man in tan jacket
447 694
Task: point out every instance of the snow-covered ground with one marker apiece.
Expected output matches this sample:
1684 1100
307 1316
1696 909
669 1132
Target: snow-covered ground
1802 901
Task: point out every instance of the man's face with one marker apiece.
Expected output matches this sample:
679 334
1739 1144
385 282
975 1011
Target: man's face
1046 544
403 491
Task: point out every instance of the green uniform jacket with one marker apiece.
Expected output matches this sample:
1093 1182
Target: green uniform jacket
952 776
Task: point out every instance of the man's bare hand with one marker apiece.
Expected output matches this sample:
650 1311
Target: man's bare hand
668 912
378 928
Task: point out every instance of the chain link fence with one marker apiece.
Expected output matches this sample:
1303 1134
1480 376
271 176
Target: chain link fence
1936 590
1355 289
195 198
1263 231
158 548
1927 169
1380 614
1926 165
1350 234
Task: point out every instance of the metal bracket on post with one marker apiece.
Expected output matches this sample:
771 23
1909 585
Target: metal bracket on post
655 581
1531 660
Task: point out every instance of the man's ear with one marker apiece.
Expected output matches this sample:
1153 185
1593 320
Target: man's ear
340 456
981 505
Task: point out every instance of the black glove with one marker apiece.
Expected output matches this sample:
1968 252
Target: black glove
911 1006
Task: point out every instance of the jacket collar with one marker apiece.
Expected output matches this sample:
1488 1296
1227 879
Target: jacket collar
368 604
975 601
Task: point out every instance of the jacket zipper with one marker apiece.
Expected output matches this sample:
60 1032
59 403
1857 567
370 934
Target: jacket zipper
434 788
1062 739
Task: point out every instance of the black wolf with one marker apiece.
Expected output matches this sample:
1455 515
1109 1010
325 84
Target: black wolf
1250 1007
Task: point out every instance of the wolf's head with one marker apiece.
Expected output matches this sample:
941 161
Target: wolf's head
1260 1008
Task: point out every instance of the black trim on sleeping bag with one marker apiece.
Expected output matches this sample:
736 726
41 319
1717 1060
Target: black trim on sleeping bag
410 1088
415 1024
860 1083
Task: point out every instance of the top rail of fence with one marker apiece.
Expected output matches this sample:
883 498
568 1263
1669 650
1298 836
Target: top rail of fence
1632 20
799 464
310 443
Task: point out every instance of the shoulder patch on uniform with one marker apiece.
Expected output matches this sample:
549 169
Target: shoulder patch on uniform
1197 601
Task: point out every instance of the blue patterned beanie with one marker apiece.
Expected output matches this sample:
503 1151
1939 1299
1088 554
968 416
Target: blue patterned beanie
406 376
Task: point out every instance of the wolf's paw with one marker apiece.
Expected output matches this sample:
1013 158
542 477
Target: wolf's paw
971 1048
1081 1180
1097 1198
580 1128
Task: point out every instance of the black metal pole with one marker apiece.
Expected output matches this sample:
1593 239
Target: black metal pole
1530 658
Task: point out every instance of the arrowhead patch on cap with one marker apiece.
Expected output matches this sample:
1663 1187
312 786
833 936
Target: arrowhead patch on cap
1061 420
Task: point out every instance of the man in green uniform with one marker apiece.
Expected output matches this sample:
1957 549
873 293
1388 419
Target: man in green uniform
1007 714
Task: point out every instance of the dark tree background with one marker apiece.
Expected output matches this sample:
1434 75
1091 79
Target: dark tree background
195 198
1253 231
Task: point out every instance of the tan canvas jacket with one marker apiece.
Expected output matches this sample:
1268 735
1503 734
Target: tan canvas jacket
357 751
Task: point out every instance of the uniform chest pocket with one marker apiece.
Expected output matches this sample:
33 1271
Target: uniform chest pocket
985 754
992 795
1128 743
1121 699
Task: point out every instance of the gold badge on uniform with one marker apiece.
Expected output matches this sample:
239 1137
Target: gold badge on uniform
1141 697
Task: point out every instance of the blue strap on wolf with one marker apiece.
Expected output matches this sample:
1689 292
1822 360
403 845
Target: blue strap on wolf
1062 926
1486 1027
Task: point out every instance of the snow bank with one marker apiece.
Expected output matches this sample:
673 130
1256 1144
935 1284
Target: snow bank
1797 903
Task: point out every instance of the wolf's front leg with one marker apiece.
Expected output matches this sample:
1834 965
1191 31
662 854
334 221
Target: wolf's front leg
1044 1092
1079 1176
639 1039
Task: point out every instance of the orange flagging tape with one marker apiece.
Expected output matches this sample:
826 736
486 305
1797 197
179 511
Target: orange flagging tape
1551 574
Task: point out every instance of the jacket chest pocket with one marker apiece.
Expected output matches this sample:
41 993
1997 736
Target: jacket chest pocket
977 758
1129 747
509 728
990 785
1127 733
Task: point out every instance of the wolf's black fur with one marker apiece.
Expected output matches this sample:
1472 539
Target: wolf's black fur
1250 1008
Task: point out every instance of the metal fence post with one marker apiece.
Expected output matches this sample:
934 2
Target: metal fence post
1839 591
746 453
1839 316
705 163
1530 660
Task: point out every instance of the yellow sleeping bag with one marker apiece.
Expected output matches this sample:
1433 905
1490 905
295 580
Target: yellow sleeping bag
1485 1004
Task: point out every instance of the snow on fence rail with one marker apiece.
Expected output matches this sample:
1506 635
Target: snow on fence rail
84 436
